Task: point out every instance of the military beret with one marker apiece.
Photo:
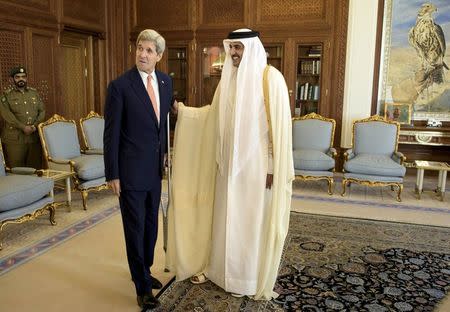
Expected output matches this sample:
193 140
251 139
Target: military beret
17 70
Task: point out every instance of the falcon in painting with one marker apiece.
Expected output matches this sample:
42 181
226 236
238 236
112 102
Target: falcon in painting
428 40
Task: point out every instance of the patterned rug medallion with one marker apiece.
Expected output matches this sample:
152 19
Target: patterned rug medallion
341 264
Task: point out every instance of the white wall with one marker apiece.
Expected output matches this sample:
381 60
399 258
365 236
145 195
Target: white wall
361 37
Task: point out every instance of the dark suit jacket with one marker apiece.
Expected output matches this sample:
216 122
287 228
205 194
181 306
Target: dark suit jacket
134 144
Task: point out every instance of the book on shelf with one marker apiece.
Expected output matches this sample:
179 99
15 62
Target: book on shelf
307 92
315 51
309 67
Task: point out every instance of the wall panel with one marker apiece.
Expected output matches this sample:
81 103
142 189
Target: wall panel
162 15
42 70
42 5
218 13
306 13
84 14
11 54
37 13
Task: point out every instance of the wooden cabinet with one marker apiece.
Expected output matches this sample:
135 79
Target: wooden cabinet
177 68
308 83
274 54
212 60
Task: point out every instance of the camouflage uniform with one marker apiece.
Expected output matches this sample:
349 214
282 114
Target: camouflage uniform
19 109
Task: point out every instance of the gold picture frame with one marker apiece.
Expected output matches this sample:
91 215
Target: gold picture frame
400 112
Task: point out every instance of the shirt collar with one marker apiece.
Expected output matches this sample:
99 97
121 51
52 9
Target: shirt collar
144 75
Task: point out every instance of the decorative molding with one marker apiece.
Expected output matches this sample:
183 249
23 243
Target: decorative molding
34 13
84 14
223 14
162 15
341 42
291 11
11 54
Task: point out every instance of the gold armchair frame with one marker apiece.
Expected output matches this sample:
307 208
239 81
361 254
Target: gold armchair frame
50 207
48 159
348 181
330 180
91 114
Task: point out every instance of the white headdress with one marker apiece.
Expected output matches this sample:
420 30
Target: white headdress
250 123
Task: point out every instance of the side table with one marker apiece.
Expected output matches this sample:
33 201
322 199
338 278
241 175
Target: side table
57 175
423 165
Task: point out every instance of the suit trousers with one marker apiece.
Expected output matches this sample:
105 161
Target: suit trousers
140 223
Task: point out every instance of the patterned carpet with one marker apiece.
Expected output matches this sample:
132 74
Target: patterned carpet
341 264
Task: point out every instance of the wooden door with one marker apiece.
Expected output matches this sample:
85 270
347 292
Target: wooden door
76 75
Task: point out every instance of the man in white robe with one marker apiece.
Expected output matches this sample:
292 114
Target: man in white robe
232 177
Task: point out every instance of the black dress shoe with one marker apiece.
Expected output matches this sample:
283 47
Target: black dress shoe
155 283
147 301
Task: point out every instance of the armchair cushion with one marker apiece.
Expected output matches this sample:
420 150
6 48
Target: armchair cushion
93 129
312 160
372 178
375 138
312 134
307 173
62 140
374 164
18 212
19 190
89 167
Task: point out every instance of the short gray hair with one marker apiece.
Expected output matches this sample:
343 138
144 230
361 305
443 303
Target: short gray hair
153 36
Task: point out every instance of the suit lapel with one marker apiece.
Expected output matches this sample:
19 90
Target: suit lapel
139 88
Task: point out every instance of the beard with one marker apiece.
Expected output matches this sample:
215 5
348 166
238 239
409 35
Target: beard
21 84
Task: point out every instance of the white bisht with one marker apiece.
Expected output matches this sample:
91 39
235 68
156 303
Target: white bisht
192 192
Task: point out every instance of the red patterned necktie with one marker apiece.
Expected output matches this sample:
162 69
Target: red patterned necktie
151 93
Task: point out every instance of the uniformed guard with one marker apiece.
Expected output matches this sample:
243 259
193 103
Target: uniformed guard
22 110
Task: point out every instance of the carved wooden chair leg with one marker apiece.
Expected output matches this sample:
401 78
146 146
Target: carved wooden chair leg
330 186
399 192
52 210
84 195
344 182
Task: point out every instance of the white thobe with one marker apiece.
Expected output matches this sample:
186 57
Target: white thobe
239 211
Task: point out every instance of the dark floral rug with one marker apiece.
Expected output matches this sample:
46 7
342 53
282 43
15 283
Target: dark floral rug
341 264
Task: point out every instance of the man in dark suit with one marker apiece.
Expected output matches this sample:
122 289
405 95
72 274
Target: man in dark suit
134 146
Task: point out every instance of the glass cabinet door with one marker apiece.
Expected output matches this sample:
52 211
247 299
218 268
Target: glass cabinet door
213 58
308 82
275 56
178 70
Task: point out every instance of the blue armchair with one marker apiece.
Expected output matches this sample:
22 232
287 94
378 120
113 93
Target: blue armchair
92 127
314 156
23 196
373 159
62 151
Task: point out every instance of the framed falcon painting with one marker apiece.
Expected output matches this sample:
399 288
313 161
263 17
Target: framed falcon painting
415 58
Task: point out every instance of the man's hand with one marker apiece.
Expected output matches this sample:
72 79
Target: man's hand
28 130
174 108
166 161
269 181
115 186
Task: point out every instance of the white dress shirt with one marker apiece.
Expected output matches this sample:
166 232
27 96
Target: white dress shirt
154 81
